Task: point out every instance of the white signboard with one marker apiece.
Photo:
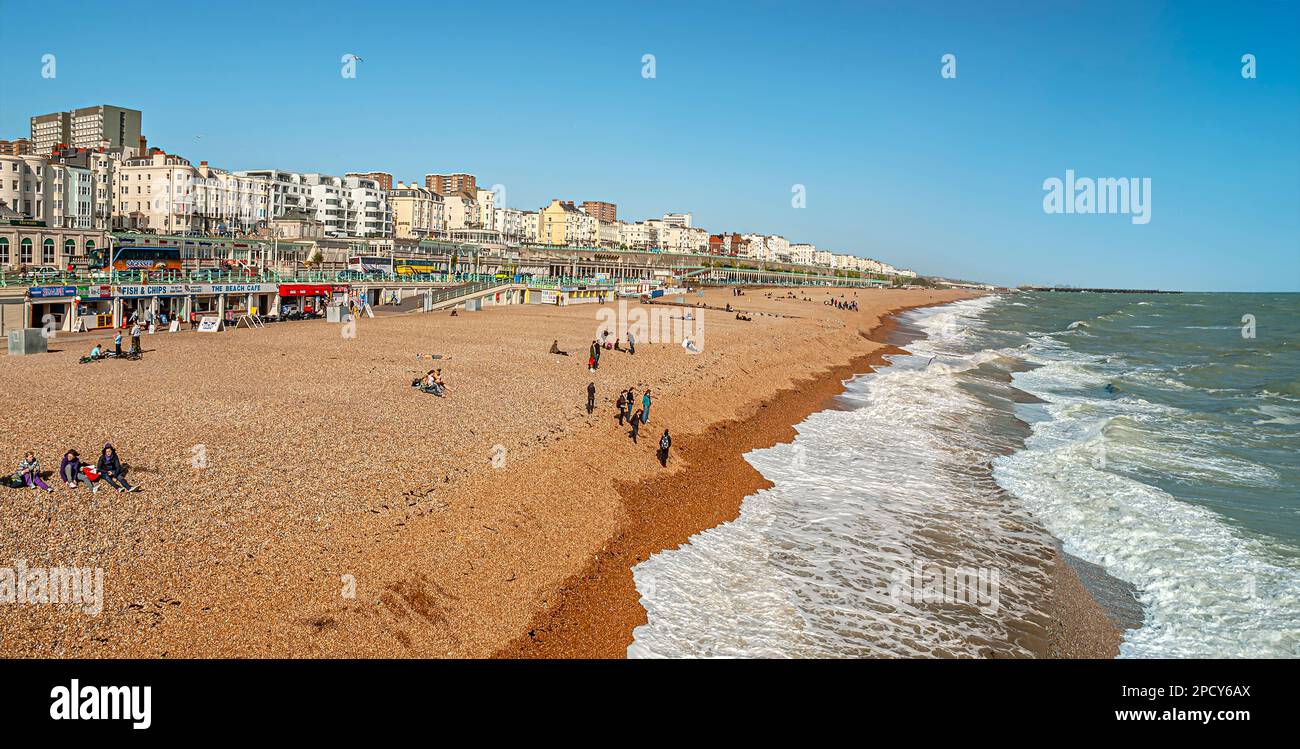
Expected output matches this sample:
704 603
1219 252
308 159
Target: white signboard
209 324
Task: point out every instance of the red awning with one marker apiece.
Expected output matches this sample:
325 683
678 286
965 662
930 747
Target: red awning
305 289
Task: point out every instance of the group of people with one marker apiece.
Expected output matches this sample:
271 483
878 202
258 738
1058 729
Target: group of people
108 468
624 404
845 304
97 352
433 383
606 341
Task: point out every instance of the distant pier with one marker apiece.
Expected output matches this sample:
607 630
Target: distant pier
1099 291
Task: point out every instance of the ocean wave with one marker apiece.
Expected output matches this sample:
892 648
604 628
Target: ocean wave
1208 590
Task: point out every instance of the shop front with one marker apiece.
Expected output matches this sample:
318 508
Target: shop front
151 303
95 306
49 307
307 298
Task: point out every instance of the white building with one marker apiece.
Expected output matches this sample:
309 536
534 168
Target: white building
697 240
167 194
608 234
486 200
677 219
641 235
511 224
803 253
353 206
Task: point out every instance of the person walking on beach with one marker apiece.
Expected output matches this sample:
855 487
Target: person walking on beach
622 406
135 338
70 471
29 471
636 425
631 343
645 407
591 397
117 343
631 400
665 442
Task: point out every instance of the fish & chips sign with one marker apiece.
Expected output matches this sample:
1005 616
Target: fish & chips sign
195 288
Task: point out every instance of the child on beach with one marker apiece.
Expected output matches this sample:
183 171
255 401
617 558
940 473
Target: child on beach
29 470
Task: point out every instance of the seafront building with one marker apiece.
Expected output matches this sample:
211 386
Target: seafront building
347 206
602 211
90 169
88 127
418 212
446 184
15 147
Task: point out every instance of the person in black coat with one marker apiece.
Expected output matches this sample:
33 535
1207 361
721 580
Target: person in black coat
109 468
665 442
591 397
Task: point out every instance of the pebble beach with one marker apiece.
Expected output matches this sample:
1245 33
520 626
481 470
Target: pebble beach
300 499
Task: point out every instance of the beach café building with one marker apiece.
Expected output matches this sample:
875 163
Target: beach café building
227 301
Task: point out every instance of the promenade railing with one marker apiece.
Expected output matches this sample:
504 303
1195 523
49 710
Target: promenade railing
115 278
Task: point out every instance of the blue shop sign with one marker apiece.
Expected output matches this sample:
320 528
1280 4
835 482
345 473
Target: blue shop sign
51 292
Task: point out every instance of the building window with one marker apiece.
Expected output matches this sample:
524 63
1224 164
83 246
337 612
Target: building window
47 252
4 251
69 248
25 252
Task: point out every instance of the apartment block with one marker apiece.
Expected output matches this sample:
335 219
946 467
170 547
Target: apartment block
87 127
15 147
601 210
446 184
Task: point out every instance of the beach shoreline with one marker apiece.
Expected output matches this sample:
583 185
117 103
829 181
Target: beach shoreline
599 607
423 527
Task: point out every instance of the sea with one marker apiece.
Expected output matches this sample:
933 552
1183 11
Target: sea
1151 440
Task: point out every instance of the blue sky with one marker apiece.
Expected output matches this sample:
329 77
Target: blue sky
749 99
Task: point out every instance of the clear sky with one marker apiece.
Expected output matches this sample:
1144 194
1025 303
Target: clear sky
944 176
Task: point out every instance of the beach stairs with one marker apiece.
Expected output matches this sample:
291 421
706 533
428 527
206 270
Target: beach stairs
464 294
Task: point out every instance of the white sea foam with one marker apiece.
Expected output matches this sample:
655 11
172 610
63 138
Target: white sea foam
1208 589
860 495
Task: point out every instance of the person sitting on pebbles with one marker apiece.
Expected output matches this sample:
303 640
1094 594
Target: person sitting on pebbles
433 383
109 468
29 471
70 471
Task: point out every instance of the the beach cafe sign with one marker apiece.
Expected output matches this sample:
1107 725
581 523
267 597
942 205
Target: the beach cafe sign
188 289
